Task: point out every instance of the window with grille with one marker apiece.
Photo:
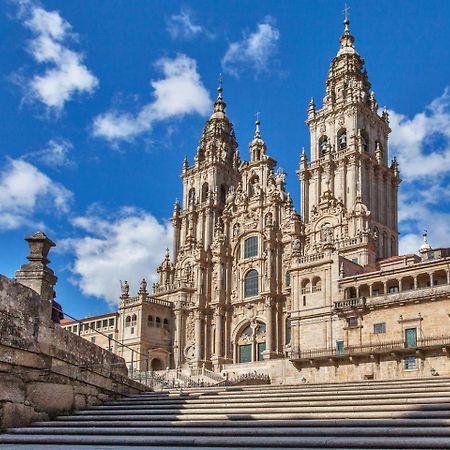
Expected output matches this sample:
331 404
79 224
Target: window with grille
410 362
352 322
251 247
379 328
251 283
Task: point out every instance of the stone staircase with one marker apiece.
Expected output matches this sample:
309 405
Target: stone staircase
402 414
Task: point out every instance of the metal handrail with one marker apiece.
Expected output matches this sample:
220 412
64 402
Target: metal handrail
110 340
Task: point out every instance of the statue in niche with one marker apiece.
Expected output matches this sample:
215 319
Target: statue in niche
268 220
327 233
236 229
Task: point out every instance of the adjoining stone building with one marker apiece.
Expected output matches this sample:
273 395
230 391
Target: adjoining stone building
324 296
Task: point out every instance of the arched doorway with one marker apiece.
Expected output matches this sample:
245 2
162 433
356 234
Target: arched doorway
251 342
156 364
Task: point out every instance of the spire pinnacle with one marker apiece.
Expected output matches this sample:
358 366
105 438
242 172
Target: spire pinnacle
220 87
346 19
257 123
347 40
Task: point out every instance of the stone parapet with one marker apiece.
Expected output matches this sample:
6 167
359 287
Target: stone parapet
46 370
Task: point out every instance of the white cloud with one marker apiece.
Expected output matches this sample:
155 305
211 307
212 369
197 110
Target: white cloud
181 26
128 247
254 51
411 139
422 146
54 154
24 190
180 92
65 74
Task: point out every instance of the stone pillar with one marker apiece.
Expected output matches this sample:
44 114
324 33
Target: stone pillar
268 353
36 275
178 344
198 336
219 333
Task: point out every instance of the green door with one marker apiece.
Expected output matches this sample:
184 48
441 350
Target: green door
339 347
245 353
261 349
411 337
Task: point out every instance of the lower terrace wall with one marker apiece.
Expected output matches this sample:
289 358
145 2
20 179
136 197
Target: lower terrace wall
45 370
283 371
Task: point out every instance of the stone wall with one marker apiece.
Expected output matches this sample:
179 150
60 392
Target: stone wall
46 370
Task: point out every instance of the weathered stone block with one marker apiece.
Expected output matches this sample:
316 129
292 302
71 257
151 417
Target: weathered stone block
12 389
79 401
19 415
50 396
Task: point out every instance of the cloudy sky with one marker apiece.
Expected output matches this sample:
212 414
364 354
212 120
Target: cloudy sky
101 101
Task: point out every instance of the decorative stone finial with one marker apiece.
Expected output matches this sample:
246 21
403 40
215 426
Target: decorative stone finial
40 245
425 247
36 275
125 289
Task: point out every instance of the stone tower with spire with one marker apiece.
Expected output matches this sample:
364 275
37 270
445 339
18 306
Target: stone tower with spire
349 190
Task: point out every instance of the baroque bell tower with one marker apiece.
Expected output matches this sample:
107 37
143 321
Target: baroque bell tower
349 190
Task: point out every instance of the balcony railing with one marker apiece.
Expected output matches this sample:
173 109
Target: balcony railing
350 303
372 348
389 297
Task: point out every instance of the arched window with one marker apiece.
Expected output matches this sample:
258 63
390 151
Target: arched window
251 247
158 322
323 146
127 321
342 139
151 321
133 320
205 189
166 324
316 284
251 283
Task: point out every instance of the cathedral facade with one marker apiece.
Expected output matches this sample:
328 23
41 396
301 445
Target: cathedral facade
251 285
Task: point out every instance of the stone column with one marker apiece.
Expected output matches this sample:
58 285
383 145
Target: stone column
198 336
36 275
268 354
178 344
219 332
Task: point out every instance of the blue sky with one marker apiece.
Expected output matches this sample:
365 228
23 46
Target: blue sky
101 101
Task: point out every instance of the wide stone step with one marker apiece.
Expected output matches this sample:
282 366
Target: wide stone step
305 387
360 384
373 422
236 441
445 414
427 405
275 403
310 395
240 431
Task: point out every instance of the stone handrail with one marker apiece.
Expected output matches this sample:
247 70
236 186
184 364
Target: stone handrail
390 297
310 258
350 303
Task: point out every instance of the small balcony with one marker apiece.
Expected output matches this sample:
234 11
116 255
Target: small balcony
395 349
